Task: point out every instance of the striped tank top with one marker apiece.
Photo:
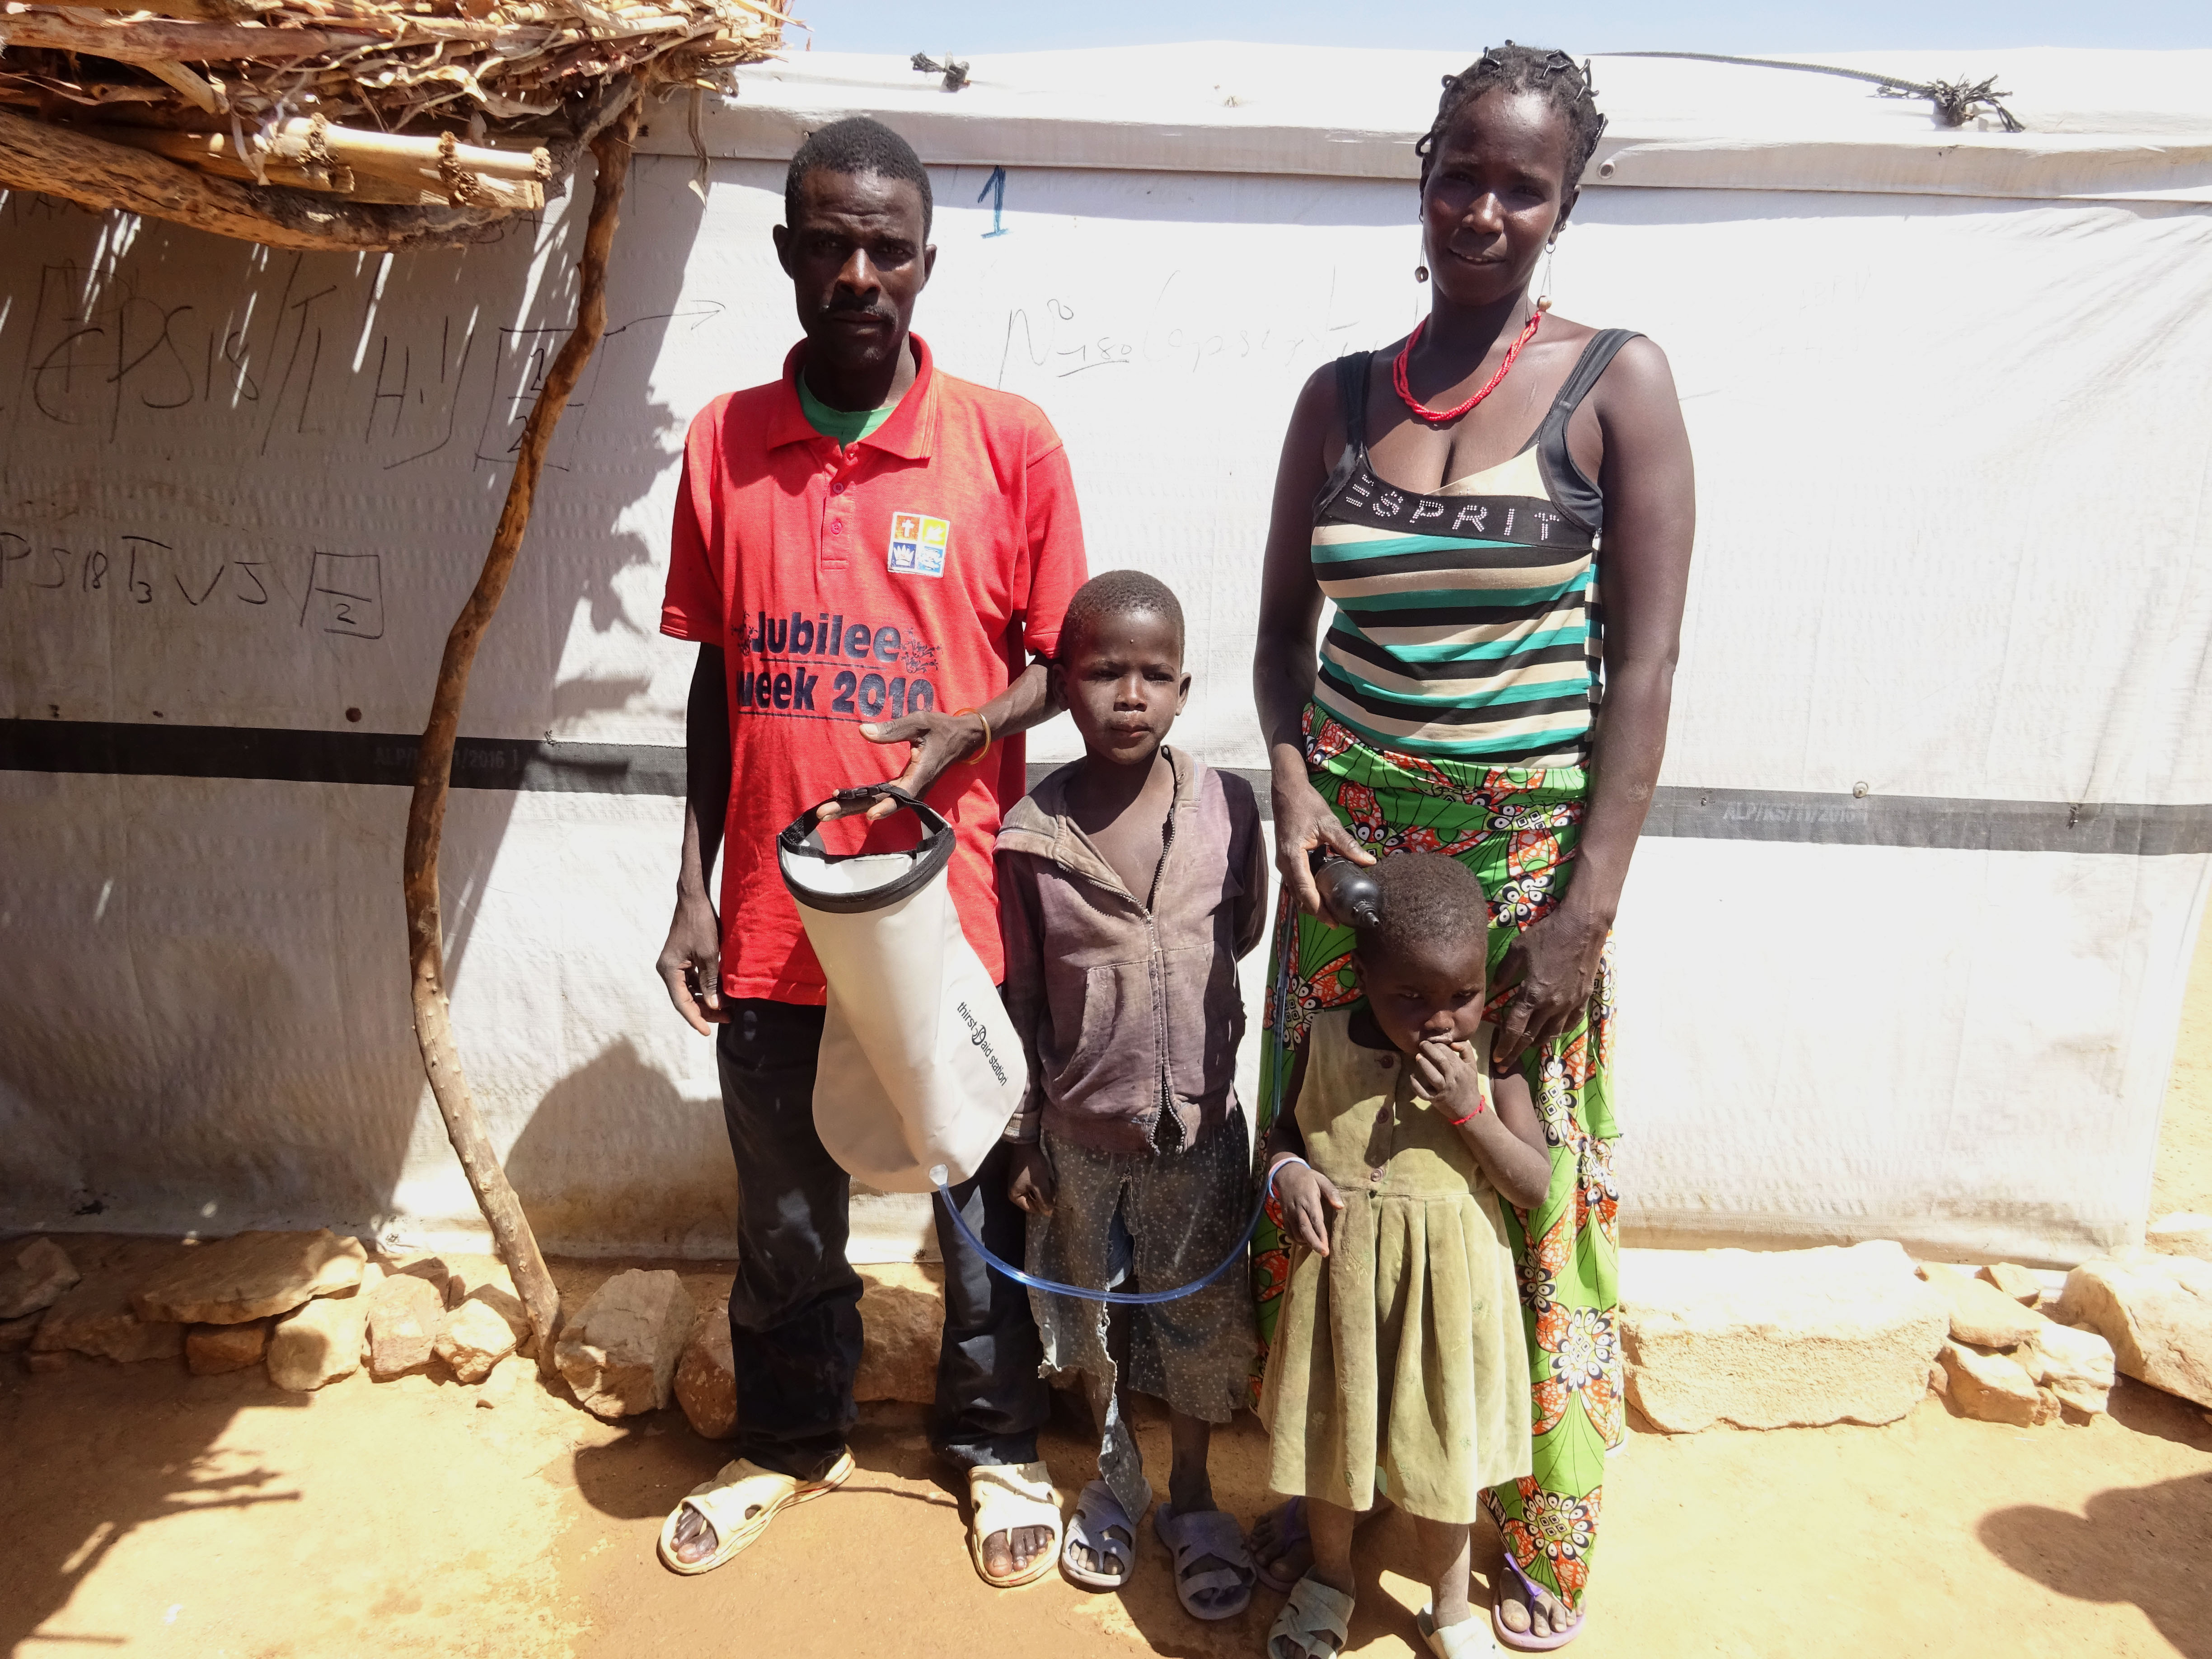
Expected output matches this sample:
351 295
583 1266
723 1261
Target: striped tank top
1467 622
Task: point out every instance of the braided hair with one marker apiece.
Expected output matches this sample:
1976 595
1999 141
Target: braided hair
1552 75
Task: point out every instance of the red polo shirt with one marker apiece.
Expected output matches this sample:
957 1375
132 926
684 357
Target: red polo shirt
918 569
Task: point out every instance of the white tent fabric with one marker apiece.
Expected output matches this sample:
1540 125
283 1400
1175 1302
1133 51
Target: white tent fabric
1919 892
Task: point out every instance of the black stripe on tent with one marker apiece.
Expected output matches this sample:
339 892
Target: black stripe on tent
134 750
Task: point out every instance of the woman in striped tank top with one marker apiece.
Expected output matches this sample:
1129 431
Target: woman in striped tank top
1473 697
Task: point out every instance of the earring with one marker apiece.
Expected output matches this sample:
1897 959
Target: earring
1420 273
1544 287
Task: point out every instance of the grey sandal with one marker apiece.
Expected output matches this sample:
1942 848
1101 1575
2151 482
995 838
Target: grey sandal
1217 1592
1099 1514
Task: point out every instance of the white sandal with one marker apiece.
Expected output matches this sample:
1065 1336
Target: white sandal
1465 1640
738 1502
1006 1498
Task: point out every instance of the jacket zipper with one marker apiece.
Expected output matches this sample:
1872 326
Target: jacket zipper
1158 974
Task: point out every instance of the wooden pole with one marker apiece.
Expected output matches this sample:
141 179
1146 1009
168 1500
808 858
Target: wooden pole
433 761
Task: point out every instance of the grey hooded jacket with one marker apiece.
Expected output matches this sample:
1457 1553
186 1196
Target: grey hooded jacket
1125 1006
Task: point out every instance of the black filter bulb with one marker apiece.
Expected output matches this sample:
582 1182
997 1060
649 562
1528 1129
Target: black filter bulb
1349 892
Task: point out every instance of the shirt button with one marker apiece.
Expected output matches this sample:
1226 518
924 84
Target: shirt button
836 526
1383 1060
837 489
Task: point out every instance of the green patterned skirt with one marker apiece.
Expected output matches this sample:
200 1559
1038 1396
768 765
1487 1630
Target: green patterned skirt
1516 829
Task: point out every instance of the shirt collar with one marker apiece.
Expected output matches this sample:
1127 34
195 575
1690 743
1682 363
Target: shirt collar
910 434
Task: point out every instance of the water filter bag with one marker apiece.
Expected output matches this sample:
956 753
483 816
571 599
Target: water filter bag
919 1066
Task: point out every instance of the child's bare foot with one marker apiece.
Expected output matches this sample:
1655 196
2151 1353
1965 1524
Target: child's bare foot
1527 1608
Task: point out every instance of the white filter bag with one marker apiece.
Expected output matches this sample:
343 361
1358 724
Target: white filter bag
919 1066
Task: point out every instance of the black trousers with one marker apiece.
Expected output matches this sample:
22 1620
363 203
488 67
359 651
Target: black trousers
795 1308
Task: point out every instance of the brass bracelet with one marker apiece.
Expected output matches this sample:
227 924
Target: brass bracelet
977 756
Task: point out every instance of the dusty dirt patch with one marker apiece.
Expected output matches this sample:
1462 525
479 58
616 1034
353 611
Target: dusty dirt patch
150 1511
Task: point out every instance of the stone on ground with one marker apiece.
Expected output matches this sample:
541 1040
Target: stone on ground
211 1350
619 1351
2182 1233
475 1273
1769 1340
94 1316
2156 1310
320 1344
251 1276
706 1377
901 1326
434 1270
504 1386
2075 1365
1981 1313
405 1313
1995 1388
34 1274
2016 1282
487 1326
41 1363
17 1332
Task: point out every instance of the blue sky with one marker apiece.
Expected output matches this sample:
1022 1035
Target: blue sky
1580 26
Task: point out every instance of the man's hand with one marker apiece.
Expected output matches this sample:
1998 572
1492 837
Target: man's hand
1447 1074
938 743
1307 1198
1029 1179
691 963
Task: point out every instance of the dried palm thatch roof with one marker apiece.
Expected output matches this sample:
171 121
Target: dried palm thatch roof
341 124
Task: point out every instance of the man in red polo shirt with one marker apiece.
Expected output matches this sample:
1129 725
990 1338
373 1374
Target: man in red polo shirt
866 552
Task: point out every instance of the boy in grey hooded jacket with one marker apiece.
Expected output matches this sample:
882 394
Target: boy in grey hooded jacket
1129 884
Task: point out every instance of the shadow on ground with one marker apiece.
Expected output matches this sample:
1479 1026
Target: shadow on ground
2125 1544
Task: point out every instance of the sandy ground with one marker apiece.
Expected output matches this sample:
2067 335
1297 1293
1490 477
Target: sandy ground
149 1512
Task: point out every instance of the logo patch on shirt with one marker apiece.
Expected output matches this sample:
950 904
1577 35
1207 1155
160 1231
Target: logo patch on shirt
918 544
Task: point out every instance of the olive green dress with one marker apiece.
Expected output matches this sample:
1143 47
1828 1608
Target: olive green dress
1399 1363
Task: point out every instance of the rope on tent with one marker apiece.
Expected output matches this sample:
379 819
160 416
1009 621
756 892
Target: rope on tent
1956 102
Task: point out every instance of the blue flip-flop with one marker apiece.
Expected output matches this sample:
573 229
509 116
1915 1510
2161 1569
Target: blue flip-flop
1522 1641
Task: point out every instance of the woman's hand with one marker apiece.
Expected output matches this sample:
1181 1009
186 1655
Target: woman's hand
1029 1179
1554 961
1303 821
1307 1198
1447 1074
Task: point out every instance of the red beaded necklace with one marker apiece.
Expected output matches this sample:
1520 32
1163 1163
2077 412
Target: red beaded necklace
1446 417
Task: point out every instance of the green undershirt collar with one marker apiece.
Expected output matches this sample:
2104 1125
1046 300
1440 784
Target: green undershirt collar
846 426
